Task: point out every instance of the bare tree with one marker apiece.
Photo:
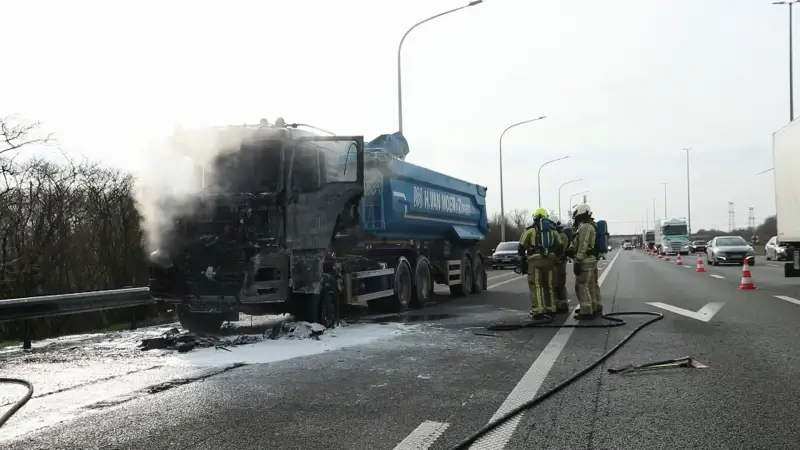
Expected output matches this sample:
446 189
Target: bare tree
65 226
16 134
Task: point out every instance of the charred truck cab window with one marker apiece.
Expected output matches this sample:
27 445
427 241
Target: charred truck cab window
254 167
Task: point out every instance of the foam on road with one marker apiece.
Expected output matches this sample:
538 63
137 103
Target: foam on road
78 375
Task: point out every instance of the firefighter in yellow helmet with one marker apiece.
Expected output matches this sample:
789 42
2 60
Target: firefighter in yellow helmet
585 263
560 274
535 245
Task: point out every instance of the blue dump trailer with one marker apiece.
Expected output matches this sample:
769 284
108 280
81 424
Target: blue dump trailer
310 225
423 227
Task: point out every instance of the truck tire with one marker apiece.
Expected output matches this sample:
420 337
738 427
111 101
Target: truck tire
479 276
423 283
200 323
403 287
322 308
465 287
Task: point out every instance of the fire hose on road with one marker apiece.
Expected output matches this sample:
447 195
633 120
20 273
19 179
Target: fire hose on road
19 403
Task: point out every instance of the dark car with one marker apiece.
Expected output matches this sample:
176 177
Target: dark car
730 250
505 255
698 247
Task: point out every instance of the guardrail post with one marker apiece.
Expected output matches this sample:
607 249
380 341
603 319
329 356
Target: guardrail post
26 336
133 318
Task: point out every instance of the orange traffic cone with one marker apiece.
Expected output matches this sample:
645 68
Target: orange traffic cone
678 261
700 266
747 279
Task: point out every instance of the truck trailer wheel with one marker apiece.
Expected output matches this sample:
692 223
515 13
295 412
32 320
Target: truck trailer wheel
479 276
200 323
423 284
403 287
465 287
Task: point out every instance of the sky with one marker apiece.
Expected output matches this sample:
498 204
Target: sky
625 85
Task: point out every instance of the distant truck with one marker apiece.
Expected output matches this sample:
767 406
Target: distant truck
649 239
674 237
786 162
306 224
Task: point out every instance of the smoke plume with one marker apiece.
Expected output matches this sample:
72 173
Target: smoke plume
174 173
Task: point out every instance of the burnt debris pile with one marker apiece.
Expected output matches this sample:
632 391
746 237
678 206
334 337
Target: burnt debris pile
185 341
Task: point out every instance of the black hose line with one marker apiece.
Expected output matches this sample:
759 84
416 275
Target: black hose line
614 322
19 403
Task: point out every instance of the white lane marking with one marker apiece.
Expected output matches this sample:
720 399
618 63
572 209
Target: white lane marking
688 267
500 276
717 276
423 436
788 299
772 265
704 314
553 349
530 383
506 281
442 287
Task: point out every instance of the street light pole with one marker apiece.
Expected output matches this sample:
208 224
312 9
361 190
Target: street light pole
559 193
665 200
688 196
575 195
502 202
539 177
399 59
790 3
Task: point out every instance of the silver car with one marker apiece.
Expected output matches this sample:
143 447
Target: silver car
775 250
505 254
729 250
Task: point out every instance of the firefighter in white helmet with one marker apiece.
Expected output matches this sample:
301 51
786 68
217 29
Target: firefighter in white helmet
585 263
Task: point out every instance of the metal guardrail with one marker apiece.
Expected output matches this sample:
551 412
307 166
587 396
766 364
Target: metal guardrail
28 308
79 302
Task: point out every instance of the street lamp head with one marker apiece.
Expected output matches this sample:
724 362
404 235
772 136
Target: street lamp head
540 118
475 2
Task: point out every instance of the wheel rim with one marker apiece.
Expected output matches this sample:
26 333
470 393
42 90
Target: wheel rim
479 274
404 288
424 283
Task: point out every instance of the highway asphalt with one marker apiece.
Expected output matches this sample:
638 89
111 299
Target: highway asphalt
434 385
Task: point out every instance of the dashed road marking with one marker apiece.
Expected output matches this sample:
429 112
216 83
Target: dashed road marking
717 276
530 383
501 276
524 391
423 436
788 299
772 265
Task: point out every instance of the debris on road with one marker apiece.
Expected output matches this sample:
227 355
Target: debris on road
185 341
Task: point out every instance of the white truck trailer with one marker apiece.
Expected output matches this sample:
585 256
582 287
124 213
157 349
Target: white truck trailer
786 161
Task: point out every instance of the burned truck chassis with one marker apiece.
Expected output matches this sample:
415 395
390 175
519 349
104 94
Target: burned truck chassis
407 282
230 264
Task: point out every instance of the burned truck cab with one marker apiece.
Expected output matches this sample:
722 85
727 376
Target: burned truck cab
256 239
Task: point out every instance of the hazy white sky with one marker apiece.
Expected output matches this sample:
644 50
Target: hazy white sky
625 85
